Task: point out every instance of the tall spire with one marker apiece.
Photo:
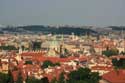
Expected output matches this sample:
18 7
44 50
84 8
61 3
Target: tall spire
20 50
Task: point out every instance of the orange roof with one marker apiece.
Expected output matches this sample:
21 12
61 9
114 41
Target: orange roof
115 76
106 68
57 59
15 75
118 57
32 54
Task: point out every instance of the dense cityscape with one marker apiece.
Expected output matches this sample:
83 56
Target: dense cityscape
62 58
62 41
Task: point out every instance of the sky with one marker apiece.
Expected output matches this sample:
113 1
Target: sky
63 12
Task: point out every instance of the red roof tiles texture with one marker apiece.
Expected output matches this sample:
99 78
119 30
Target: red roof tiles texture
115 76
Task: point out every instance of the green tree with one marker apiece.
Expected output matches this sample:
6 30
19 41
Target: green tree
110 52
33 80
94 77
4 78
44 80
119 64
28 62
36 45
9 47
54 80
20 78
86 72
10 79
57 64
81 81
61 78
49 63
83 75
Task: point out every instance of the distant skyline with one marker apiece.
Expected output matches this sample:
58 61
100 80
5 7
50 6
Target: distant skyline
63 12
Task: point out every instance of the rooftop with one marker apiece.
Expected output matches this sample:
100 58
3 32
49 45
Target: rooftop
115 76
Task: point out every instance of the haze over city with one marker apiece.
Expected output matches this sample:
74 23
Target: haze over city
62 41
64 12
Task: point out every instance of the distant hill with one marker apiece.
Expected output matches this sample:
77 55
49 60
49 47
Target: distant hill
49 29
59 30
36 29
117 27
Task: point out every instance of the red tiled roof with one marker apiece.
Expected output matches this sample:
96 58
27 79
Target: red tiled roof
20 64
57 71
115 76
53 74
57 59
15 75
118 57
106 68
32 54
40 57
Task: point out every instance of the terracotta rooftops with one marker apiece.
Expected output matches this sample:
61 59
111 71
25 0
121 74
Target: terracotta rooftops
115 76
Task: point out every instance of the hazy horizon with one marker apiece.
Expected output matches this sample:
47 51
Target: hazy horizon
63 12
